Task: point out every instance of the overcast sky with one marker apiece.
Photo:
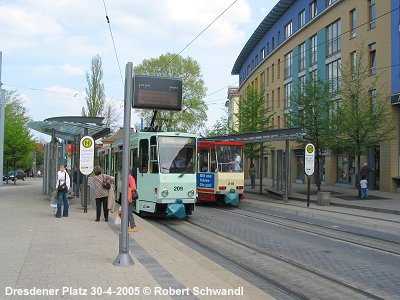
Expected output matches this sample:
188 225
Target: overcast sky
48 45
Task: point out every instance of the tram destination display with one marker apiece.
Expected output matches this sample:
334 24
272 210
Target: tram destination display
151 92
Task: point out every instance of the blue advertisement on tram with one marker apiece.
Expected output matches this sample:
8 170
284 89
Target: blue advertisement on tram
205 180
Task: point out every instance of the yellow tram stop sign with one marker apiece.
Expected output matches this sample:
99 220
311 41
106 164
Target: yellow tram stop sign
86 155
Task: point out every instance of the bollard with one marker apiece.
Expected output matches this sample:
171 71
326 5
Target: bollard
323 198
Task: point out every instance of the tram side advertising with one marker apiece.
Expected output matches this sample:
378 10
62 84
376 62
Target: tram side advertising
163 164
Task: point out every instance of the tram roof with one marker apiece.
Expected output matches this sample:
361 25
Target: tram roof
260 136
71 127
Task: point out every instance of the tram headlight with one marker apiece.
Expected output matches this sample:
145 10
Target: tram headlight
191 193
164 193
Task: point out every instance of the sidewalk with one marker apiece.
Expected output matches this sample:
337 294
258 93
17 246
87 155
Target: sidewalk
72 257
377 201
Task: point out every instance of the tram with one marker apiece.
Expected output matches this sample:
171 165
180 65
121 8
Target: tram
220 177
163 164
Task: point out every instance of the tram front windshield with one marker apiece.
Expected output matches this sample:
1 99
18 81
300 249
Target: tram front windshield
229 158
177 154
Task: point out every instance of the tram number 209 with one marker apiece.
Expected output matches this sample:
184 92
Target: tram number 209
178 188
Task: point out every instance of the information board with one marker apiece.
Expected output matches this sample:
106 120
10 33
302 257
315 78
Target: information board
205 180
86 155
309 159
151 92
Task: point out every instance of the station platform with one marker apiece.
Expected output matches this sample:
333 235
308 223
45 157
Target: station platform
42 257
340 196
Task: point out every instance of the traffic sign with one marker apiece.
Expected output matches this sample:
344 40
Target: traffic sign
309 159
86 157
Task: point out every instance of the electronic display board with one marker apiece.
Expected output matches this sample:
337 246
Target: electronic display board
152 92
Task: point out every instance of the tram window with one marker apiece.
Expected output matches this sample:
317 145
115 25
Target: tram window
213 159
203 160
144 156
153 155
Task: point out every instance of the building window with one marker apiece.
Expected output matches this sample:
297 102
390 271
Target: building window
314 75
334 75
302 56
256 61
262 76
372 58
329 2
313 50
279 69
252 64
267 76
371 14
353 64
333 37
288 94
273 99
267 48
273 43
272 73
279 97
262 54
302 18
288 30
302 84
248 70
273 123
267 100
353 24
288 65
279 38
279 122
345 166
313 9
372 95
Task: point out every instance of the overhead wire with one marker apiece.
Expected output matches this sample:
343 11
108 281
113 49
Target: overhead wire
112 38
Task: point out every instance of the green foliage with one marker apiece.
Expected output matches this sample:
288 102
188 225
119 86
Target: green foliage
95 96
252 116
312 104
194 110
220 127
361 122
18 144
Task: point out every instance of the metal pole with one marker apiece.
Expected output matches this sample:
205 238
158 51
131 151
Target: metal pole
124 258
287 152
308 191
85 184
260 167
2 118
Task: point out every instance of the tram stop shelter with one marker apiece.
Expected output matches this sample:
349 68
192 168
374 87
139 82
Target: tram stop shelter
281 180
70 130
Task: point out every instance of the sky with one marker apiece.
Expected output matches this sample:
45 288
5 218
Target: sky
47 47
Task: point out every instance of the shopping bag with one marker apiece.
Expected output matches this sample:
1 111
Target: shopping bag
118 217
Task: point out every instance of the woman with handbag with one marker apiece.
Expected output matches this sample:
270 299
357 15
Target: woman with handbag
132 196
62 187
102 183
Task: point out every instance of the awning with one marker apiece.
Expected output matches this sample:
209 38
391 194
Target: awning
69 128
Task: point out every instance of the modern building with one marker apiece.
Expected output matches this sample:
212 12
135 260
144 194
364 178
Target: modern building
302 37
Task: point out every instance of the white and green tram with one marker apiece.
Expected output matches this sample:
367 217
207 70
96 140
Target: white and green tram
164 167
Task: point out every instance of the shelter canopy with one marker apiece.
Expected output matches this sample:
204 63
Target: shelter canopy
284 134
69 128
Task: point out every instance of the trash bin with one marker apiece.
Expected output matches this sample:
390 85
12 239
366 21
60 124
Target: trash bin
323 198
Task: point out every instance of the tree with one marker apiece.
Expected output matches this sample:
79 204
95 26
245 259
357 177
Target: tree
95 96
312 102
252 116
220 127
194 110
363 117
18 144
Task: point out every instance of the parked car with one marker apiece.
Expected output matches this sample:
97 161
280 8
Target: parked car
20 175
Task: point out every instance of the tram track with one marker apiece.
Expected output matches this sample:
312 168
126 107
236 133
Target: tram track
375 243
298 271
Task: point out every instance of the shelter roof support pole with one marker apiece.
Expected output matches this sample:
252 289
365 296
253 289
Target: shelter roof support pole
260 164
287 165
